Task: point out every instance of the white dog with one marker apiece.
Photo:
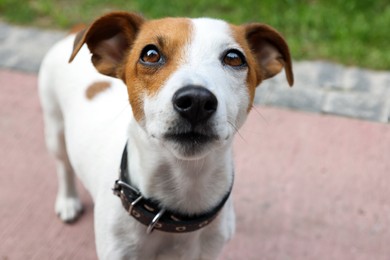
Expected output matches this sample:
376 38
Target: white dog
175 90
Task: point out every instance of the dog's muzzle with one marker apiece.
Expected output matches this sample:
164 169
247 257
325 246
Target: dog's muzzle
192 130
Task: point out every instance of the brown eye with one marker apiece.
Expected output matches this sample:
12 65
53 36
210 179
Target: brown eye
150 55
234 58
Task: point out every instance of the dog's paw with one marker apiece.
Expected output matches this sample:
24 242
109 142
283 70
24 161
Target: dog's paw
68 209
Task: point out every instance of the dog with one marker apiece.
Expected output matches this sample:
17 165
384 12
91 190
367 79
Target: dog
147 110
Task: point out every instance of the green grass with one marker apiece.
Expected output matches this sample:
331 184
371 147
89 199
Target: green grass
354 32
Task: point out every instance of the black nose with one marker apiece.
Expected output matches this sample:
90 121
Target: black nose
194 103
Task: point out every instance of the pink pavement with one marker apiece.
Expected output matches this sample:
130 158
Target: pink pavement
308 186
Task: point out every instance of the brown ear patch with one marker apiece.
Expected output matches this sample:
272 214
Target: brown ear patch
96 88
109 38
270 49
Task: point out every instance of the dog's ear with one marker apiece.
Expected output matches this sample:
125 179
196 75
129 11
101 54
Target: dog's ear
270 50
109 39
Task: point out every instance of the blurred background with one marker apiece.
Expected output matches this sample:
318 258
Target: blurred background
308 185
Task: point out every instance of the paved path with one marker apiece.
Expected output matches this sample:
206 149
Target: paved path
320 87
307 186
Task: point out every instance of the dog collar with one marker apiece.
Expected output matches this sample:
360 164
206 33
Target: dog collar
148 211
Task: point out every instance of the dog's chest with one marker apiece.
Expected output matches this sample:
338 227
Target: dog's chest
165 246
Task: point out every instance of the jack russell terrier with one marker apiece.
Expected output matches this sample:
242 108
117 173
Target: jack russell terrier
160 102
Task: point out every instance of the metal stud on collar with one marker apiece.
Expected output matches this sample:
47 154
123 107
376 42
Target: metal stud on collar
154 221
122 183
133 204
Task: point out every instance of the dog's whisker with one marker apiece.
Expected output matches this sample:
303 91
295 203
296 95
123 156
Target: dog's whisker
233 126
260 114
236 130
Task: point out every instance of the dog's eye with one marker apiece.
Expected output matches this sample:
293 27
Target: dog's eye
150 55
234 58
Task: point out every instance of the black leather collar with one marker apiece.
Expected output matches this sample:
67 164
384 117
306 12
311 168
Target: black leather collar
149 212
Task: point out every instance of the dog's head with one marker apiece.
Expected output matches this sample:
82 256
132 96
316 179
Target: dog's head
191 82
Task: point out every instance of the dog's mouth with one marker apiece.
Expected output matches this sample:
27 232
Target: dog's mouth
190 144
190 138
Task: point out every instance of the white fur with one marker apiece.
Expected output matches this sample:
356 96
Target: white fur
88 136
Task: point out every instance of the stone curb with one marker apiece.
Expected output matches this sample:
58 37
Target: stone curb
323 87
320 87
23 48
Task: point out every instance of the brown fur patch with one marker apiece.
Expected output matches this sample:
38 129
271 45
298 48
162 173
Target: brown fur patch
96 88
170 35
266 52
254 77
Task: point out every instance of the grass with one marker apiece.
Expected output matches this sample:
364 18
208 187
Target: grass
354 32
